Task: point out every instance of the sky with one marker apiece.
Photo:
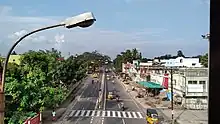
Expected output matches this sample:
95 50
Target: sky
155 27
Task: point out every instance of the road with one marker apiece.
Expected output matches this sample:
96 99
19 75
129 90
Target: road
85 101
85 109
132 113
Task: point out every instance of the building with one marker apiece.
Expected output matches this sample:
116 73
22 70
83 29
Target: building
14 59
189 83
181 62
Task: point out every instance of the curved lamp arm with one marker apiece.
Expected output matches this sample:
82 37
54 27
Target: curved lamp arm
12 48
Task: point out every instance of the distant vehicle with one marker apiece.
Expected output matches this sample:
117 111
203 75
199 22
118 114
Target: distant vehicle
95 75
110 95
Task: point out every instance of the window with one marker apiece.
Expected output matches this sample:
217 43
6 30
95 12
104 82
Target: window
193 64
174 82
181 60
201 82
192 82
204 84
13 60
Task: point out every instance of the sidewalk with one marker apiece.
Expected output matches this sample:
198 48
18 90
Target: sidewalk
46 115
181 116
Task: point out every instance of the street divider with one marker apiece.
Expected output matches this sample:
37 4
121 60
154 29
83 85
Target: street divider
102 90
46 114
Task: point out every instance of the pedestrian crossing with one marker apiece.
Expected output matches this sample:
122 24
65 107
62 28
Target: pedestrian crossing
100 113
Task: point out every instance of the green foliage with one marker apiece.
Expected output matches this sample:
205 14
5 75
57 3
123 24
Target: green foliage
42 80
124 57
204 60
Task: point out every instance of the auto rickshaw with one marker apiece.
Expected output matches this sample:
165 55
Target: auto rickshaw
110 95
152 116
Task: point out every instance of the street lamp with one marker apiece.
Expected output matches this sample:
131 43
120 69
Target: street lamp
83 20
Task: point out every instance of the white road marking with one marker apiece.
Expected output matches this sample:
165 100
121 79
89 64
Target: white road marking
124 115
129 115
108 114
77 113
139 114
123 121
119 114
71 114
103 114
88 112
134 114
93 113
82 113
113 113
105 91
103 120
98 113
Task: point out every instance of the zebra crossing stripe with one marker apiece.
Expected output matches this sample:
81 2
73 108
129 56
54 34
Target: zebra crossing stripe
82 113
124 115
135 116
71 114
93 113
119 114
108 114
77 113
129 115
88 112
98 113
139 114
113 113
103 114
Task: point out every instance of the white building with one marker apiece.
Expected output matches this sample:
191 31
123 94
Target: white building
191 84
181 62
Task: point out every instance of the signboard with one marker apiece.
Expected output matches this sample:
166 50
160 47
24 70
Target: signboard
195 88
165 81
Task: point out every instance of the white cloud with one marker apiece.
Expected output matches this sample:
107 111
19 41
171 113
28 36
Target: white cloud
80 40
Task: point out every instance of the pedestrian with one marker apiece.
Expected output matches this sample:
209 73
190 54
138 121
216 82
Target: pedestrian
53 115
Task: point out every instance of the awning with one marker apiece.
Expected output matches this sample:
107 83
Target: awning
151 85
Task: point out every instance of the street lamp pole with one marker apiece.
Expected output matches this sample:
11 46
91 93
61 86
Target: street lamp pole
82 20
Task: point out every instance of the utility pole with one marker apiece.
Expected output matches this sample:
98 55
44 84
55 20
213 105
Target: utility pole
171 71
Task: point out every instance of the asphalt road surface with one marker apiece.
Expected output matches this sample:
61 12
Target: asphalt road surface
132 114
85 101
85 109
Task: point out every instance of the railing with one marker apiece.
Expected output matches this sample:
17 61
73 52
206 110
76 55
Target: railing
34 120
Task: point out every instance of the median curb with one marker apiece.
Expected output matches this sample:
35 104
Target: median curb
46 115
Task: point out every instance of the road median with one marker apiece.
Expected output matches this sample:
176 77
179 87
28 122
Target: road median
46 114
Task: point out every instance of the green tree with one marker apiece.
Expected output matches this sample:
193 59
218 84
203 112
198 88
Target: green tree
180 53
204 60
42 80
127 56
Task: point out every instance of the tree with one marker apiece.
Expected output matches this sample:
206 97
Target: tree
180 53
127 56
41 80
144 60
204 60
